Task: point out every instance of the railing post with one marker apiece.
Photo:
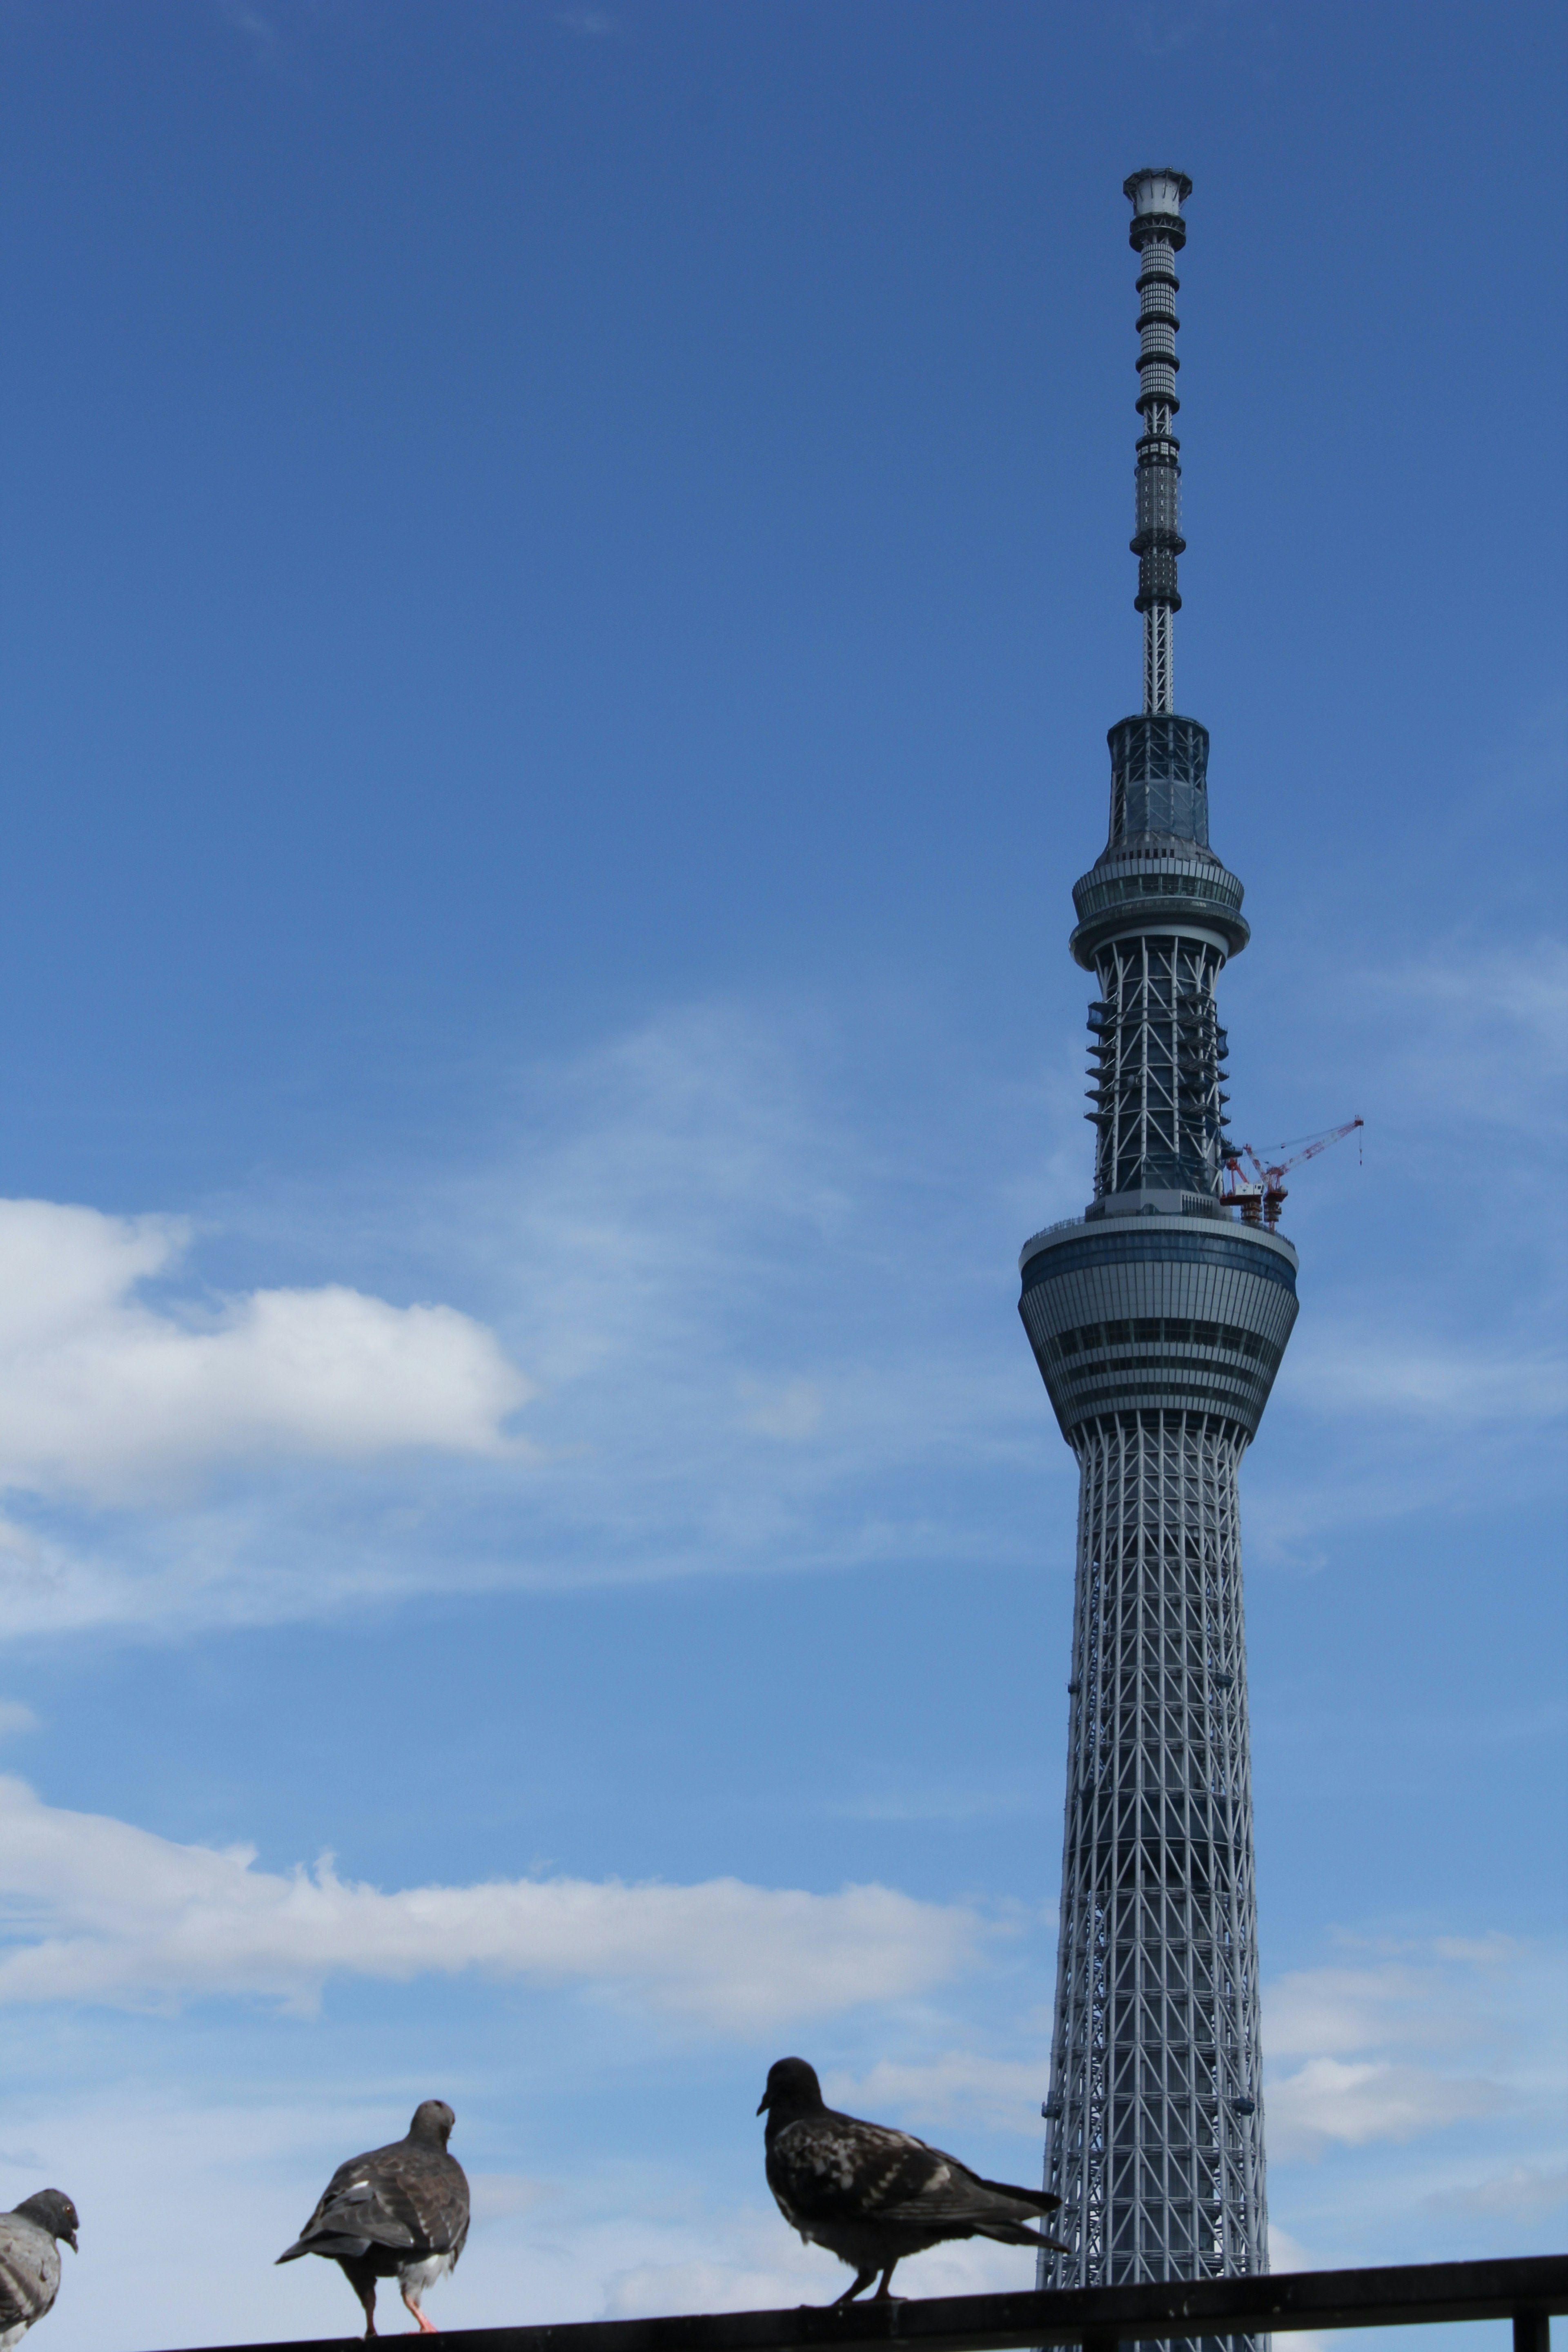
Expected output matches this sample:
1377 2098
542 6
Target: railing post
1111 2344
1531 2332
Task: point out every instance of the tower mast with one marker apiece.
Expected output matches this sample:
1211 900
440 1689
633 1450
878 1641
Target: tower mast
1158 1321
1157 235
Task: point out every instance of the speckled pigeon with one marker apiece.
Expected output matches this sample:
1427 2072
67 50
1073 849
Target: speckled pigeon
870 2195
30 2259
399 2212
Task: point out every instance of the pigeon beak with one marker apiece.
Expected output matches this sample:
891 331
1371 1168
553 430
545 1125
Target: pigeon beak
70 2241
764 2104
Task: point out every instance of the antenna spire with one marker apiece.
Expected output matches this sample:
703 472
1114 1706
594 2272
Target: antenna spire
1157 234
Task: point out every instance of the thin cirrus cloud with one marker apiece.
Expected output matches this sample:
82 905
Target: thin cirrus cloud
1329 2099
956 2086
116 1915
103 1394
1346 1370
698 1242
1408 2044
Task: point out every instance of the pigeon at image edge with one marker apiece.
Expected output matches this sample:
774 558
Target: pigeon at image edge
400 2211
871 2195
30 2259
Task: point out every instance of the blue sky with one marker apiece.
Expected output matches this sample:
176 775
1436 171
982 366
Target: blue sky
563 580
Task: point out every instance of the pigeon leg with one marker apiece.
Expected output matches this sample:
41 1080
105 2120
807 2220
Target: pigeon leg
362 2278
860 2279
427 2326
882 2294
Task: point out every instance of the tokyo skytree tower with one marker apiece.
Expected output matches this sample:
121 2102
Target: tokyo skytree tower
1158 1320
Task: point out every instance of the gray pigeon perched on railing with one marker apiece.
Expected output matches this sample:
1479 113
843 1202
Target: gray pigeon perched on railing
870 2195
400 2212
30 2259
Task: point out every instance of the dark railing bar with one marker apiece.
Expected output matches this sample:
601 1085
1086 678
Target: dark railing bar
1526 2289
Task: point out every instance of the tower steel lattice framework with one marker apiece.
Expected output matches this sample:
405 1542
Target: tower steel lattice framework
1158 1321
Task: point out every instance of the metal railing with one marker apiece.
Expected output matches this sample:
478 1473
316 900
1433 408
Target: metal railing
1526 2290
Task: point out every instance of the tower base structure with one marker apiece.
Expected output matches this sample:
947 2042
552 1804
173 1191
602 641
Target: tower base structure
1157 1326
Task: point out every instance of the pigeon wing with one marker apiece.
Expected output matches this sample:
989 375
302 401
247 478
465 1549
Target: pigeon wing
953 2199
29 2272
361 2204
831 2167
436 2196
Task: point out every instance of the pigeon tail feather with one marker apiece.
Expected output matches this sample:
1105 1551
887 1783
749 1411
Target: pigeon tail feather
1042 2200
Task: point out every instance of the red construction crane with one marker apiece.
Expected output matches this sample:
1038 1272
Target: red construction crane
1261 1202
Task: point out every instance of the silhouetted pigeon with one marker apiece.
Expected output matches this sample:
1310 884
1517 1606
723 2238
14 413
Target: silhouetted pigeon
30 2259
870 2195
399 2212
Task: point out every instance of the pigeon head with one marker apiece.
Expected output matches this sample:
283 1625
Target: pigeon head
433 2119
793 2090
52 2210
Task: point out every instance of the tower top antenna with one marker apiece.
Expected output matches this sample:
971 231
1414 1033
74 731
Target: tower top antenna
1157 234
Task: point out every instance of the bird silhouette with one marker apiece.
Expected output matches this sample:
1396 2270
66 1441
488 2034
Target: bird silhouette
871 2195
30 2259
400 2211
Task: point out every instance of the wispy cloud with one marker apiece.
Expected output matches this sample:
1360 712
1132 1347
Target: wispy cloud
697 1243
1345 1370
100 1910
1403 2045
1440 1993
955 2086
1481 1032
593 24
1327 2100
754 1283
1522 2191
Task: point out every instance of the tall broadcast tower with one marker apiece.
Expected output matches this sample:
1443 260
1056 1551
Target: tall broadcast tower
1158 1322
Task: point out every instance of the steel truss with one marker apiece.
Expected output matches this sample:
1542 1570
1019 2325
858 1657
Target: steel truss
1155 2143
1159 660
1159 1053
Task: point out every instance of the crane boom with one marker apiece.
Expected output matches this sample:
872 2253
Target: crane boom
1260 1202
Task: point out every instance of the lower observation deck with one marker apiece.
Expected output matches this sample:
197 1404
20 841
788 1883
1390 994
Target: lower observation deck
1157 1308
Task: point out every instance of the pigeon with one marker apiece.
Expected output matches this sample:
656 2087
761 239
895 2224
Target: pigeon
30 2259
399 2212
870 2195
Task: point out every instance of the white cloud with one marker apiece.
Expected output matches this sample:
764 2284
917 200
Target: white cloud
696 1241
104 1393
1405 2045
961 2086
16 1718
1328 2099
1286 2252
1316 2012
101 1911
